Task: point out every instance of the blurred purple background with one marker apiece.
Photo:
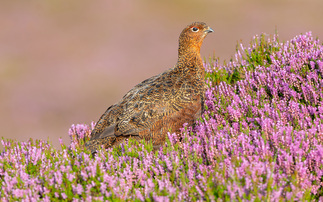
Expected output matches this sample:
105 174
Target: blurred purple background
65 62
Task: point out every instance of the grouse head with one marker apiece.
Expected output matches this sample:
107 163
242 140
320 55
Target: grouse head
192 36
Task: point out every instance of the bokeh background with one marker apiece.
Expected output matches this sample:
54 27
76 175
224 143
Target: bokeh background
64 62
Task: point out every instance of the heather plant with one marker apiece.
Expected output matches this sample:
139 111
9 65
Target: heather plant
259 139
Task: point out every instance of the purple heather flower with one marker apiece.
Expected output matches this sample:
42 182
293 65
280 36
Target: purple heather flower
58 177
63 195
19 193
78 189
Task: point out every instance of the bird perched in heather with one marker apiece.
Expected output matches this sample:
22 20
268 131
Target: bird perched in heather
160 104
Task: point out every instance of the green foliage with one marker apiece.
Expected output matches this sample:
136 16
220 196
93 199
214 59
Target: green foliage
258 54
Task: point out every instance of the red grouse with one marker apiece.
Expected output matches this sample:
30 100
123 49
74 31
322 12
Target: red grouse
160 104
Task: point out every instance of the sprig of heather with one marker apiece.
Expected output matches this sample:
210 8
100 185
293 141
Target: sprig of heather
260 138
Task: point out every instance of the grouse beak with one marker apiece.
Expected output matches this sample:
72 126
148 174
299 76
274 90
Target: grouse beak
209 30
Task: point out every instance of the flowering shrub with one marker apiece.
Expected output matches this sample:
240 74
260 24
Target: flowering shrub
260 138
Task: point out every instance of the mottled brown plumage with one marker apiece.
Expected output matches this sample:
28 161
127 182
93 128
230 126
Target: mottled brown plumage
161 103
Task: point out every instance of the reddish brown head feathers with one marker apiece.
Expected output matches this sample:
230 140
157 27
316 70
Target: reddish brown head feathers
192 37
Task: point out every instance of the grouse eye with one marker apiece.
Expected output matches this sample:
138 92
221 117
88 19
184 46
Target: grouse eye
194 29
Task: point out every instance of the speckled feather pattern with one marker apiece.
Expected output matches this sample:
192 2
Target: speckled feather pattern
160 104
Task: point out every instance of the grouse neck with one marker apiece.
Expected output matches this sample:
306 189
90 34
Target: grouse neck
190 61
188 50
189 57
188 54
